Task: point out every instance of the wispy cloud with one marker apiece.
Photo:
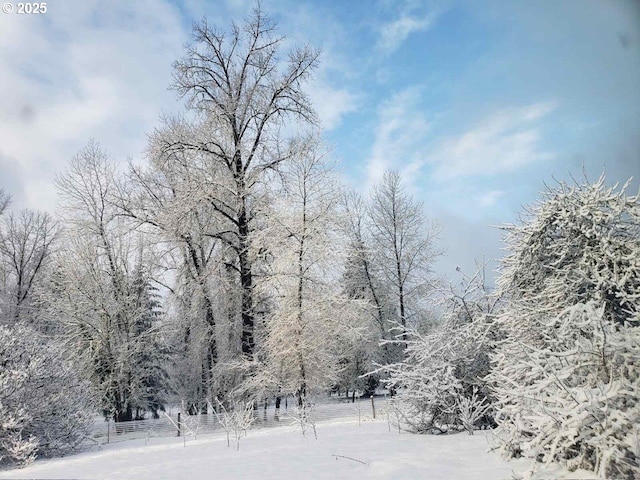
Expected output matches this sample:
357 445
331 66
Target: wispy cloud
490 198
394 33
402 18
503 142
400 129
331 103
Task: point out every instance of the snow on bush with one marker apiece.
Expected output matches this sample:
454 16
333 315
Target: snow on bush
566 373
471 410
14 446
304 415
44 409
440 382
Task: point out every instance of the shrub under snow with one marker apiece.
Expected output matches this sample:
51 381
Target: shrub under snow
440 383
44 409
566 374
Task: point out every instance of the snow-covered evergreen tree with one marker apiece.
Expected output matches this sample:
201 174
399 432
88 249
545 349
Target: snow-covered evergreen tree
151 355
363 280
566 374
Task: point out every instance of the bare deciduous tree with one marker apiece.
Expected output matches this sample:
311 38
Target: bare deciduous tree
5 200
404 245
26 242
241 95
101 291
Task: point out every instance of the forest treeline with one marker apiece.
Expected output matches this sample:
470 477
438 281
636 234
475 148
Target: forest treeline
231 265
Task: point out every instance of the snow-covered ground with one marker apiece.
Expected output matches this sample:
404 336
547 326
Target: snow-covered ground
283 453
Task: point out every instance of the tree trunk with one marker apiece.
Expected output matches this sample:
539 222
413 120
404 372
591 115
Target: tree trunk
246 282
403 319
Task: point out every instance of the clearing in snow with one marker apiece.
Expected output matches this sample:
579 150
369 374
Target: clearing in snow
343 450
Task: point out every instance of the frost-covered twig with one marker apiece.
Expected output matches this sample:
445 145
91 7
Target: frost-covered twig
349 458
304 416
238 420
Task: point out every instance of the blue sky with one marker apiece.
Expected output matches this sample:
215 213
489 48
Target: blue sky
478 103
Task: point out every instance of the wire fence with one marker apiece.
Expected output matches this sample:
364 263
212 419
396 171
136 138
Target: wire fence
180 424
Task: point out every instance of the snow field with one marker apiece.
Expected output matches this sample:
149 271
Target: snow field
283 453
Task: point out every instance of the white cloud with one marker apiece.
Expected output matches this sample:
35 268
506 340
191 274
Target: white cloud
411 17
503 142
84 69
101 69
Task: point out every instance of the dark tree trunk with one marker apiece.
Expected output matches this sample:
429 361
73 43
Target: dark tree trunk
246 282
276 415
403 318
126 415
212 350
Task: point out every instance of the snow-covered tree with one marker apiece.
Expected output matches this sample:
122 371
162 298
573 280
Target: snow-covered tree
239 93
358 359
26 242
168 198
362 279
5 201
403 245
45 408
101 292
566 374
392 248
151 355
471 409
237 419
310 318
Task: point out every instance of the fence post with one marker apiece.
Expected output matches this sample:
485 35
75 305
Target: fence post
108 429
178 423
373 408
